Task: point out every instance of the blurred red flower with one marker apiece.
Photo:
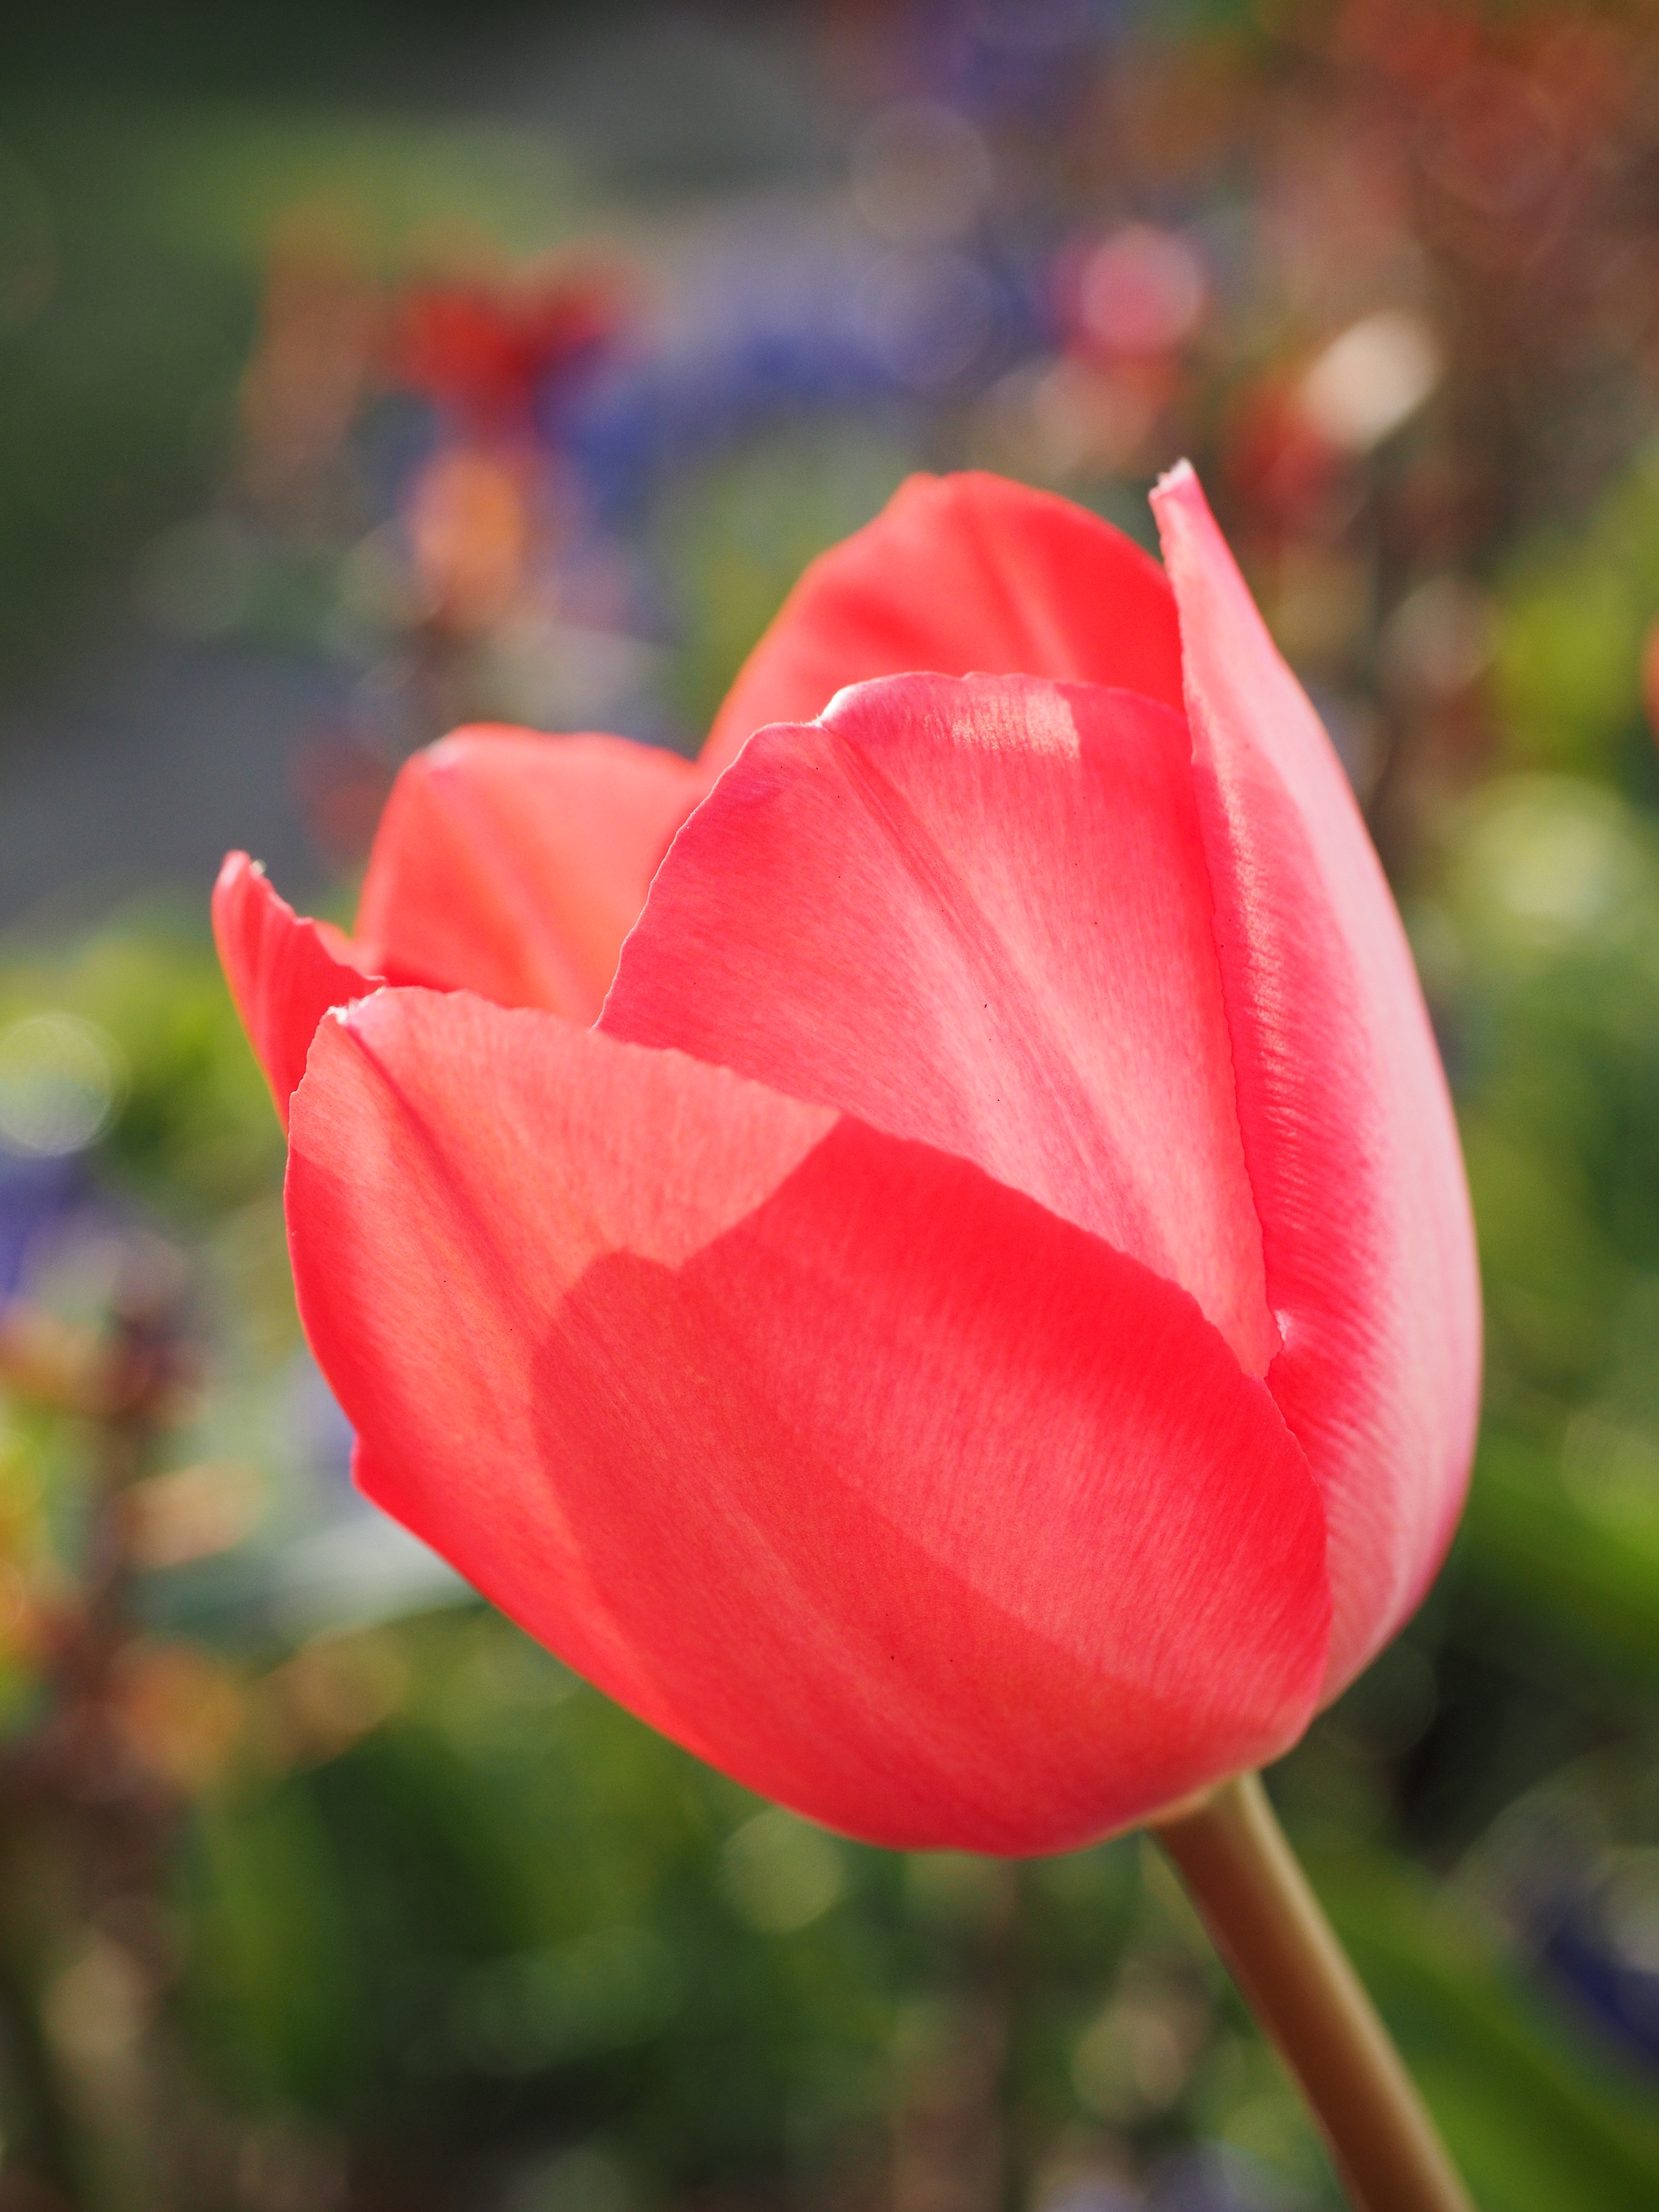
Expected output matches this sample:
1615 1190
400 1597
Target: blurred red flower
483 352
980 1338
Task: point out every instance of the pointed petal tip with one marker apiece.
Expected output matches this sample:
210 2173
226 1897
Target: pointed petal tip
1177 482
232 868
1183 512
282 969
348 1012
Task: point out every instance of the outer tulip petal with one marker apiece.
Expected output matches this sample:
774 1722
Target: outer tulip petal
514 865
977 913
284 972
1347 1125
960 573
855 1472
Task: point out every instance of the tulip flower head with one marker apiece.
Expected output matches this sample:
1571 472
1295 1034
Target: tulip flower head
925 1253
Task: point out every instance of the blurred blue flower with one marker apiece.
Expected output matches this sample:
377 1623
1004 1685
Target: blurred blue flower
37 1192
1013 59
780 329
1593 1956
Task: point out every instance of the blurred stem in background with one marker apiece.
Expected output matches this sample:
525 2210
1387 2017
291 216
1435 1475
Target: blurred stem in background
86 1828
951 2147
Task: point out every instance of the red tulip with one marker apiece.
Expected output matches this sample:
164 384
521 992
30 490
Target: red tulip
980 1339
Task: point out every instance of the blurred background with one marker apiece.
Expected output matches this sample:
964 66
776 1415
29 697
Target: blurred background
368 367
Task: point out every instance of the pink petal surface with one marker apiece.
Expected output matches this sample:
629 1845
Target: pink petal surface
514 865
977 914
960 573
284 972
858 1474
1347 1126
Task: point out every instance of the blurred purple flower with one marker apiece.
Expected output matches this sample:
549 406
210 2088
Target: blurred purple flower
1595 1930
38 1194
780 330
1217 2178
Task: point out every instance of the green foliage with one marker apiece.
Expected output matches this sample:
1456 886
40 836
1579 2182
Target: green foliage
193 1133
1536 2115
738 536
1573 611
515 1891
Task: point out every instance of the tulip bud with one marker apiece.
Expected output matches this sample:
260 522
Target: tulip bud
980 1339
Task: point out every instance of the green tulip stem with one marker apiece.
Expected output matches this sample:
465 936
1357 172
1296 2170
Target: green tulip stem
1284 1954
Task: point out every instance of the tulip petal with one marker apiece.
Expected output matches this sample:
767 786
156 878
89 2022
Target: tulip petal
961 573
514 865
1347 1125
857 1472
975 912
284 972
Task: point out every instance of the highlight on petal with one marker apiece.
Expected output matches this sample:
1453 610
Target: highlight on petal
284 972
957 573
1347 1126
513 864
976 913
858 1472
